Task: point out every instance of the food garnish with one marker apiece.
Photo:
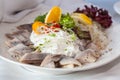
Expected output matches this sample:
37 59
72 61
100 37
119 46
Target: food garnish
82 18
97 14
53 15
42 28
67 21
39 27
40 18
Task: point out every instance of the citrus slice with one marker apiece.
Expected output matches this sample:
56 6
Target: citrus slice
82 18
38 27
53 15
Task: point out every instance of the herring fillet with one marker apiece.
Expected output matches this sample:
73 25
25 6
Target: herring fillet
98 37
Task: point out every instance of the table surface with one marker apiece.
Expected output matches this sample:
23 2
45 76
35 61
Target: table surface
10 71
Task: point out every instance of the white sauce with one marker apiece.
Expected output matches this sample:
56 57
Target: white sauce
56 43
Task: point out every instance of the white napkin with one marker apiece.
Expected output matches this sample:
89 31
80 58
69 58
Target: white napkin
72 5
66 5
1 10
51 3
14 10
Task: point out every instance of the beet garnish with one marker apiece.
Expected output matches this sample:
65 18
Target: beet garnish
97 14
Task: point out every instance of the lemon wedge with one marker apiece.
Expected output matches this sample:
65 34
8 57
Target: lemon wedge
37 26
82 18
53 15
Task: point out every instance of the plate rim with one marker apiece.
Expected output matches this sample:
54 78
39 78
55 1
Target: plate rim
116 8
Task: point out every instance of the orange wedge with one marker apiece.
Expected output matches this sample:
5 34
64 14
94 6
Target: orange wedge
37 26
53 15
85 19
82 18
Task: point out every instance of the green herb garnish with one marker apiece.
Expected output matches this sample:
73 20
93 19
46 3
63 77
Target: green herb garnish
67 21
73 37
52 35
41 18
65 49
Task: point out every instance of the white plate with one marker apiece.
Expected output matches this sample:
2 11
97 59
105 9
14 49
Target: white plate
117 7
113 33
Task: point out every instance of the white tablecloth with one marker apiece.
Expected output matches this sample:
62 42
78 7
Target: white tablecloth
110 71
